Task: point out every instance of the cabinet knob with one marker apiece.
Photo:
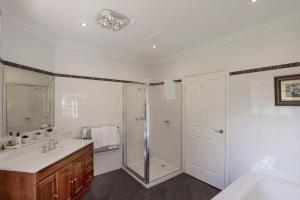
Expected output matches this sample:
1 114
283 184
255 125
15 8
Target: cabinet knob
56 196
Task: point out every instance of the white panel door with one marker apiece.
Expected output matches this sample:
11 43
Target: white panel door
205 128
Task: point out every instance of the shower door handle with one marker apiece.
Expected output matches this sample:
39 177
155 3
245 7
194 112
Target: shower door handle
221 131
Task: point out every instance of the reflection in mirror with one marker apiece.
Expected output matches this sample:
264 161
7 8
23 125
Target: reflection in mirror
28 100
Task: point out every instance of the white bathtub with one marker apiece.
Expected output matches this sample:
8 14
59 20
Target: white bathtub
256 186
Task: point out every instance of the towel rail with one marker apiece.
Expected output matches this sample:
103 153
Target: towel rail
111 148
106 150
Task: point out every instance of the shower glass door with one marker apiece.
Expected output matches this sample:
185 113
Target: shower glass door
134 137
164 131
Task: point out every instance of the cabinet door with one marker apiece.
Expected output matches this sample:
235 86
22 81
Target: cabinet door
64 182
47 189
78 175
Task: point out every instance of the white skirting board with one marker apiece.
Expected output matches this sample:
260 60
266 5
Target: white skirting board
107 161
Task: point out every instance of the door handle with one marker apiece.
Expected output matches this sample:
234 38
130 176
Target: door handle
221 131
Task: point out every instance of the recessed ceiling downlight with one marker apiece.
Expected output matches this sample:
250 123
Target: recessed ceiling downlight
253 1
111 20
83 24
154 46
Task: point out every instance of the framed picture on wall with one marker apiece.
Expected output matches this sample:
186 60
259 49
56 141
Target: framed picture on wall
287 90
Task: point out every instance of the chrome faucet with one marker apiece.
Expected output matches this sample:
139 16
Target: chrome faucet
51 145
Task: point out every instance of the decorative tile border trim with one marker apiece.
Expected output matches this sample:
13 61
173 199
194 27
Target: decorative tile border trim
247 71
12 64
161 83
275 67
96 78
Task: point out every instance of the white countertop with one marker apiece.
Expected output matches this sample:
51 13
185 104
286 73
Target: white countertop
34 161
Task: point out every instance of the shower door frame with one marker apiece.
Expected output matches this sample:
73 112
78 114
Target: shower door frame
144 179
146 134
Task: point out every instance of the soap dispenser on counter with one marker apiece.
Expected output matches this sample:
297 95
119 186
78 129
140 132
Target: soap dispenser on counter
12 142
18 139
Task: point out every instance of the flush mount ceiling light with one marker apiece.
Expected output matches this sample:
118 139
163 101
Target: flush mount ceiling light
111 20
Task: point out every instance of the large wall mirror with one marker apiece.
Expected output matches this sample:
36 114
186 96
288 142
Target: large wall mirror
28 100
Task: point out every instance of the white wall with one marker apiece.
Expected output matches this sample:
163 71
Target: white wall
82 103
1 80
80 60
262 136
272 47
23 47
1 23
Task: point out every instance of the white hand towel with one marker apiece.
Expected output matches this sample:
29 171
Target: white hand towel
110 135
97 138
169 90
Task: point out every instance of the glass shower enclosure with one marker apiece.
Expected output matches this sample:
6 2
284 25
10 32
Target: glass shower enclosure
152 132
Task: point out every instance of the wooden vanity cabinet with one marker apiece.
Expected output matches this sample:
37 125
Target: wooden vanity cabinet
66 179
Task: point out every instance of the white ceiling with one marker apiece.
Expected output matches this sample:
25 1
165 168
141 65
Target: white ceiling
174 25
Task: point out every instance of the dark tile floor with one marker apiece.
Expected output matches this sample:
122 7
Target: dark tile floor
118 185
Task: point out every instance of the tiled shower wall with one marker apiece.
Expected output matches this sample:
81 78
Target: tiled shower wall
263 136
